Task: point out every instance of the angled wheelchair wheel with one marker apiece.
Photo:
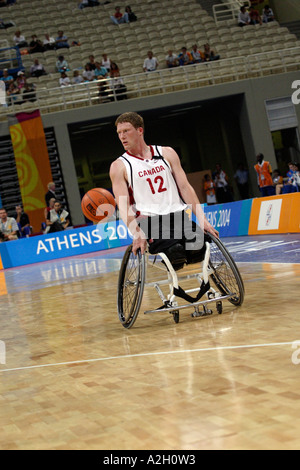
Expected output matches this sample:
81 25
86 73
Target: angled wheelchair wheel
131 287
225 273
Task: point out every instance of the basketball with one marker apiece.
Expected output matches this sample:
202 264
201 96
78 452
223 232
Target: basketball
98 204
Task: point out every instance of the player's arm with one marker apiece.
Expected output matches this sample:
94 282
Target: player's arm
187 191
117 175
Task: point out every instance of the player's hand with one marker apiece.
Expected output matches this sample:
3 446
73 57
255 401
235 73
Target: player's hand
210 229
139 243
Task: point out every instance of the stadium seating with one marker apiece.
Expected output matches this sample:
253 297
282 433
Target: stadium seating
161 26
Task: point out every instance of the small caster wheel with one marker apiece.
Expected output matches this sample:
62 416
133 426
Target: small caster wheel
219 307
176 316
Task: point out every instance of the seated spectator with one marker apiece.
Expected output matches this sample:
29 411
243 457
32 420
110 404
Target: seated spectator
131 16
49 43
197 55
209 189
62 40
292 185
88 74
209 54
243 17
185 57
23 222
29 92
12 93
100 72
6 24
92 62
114 70
20 80
255 17
267 14
106 62
118 17
57 218
9 229
88 3
77 78
7 78
150 63
62 65
35 45
277 181
117 83
37 69
19 40
64 80
223 190
171 59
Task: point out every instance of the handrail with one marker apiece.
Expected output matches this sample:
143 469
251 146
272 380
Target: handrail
228 10
163 81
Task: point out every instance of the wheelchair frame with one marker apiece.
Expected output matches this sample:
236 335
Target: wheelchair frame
218 266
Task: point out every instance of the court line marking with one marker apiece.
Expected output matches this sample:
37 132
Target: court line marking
159 353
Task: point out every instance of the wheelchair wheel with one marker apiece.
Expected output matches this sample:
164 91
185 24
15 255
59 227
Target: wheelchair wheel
225 273
131 287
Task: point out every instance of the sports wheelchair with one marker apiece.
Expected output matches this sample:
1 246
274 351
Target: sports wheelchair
219 280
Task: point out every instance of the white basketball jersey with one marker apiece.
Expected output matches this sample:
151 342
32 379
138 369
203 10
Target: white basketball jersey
152 184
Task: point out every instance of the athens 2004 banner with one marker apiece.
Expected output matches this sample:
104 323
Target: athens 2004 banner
32 162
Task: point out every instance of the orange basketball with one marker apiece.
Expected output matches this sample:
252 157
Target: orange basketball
98 204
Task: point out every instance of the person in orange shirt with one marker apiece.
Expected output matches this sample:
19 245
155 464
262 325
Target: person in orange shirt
264 175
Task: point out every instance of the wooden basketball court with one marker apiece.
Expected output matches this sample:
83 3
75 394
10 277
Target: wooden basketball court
71 377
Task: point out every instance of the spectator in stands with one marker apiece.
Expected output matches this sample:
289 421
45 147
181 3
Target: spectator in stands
88 74
62 40
12 93
62 65
35 45
197 55
23 222
185 57
106 62
49 207
29 92
57 218
19 40
77 78
291 186
243 17
118 17
37 69
6 24
241 177
209 189
88 3
49 43
64 80
50 194
20 80
264 174
150 63
267 14
221 181
9 229
114 70
117 83
92 62
7 78
209 54
100 72
131 16
255 17
277 181
171 59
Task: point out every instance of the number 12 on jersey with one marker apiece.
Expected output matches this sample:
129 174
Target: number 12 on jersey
159 184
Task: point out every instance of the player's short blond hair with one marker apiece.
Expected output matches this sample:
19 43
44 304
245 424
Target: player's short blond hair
133 118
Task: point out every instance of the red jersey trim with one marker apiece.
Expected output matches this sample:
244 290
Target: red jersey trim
140 158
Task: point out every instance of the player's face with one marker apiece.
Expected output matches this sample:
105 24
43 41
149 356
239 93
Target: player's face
128 135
